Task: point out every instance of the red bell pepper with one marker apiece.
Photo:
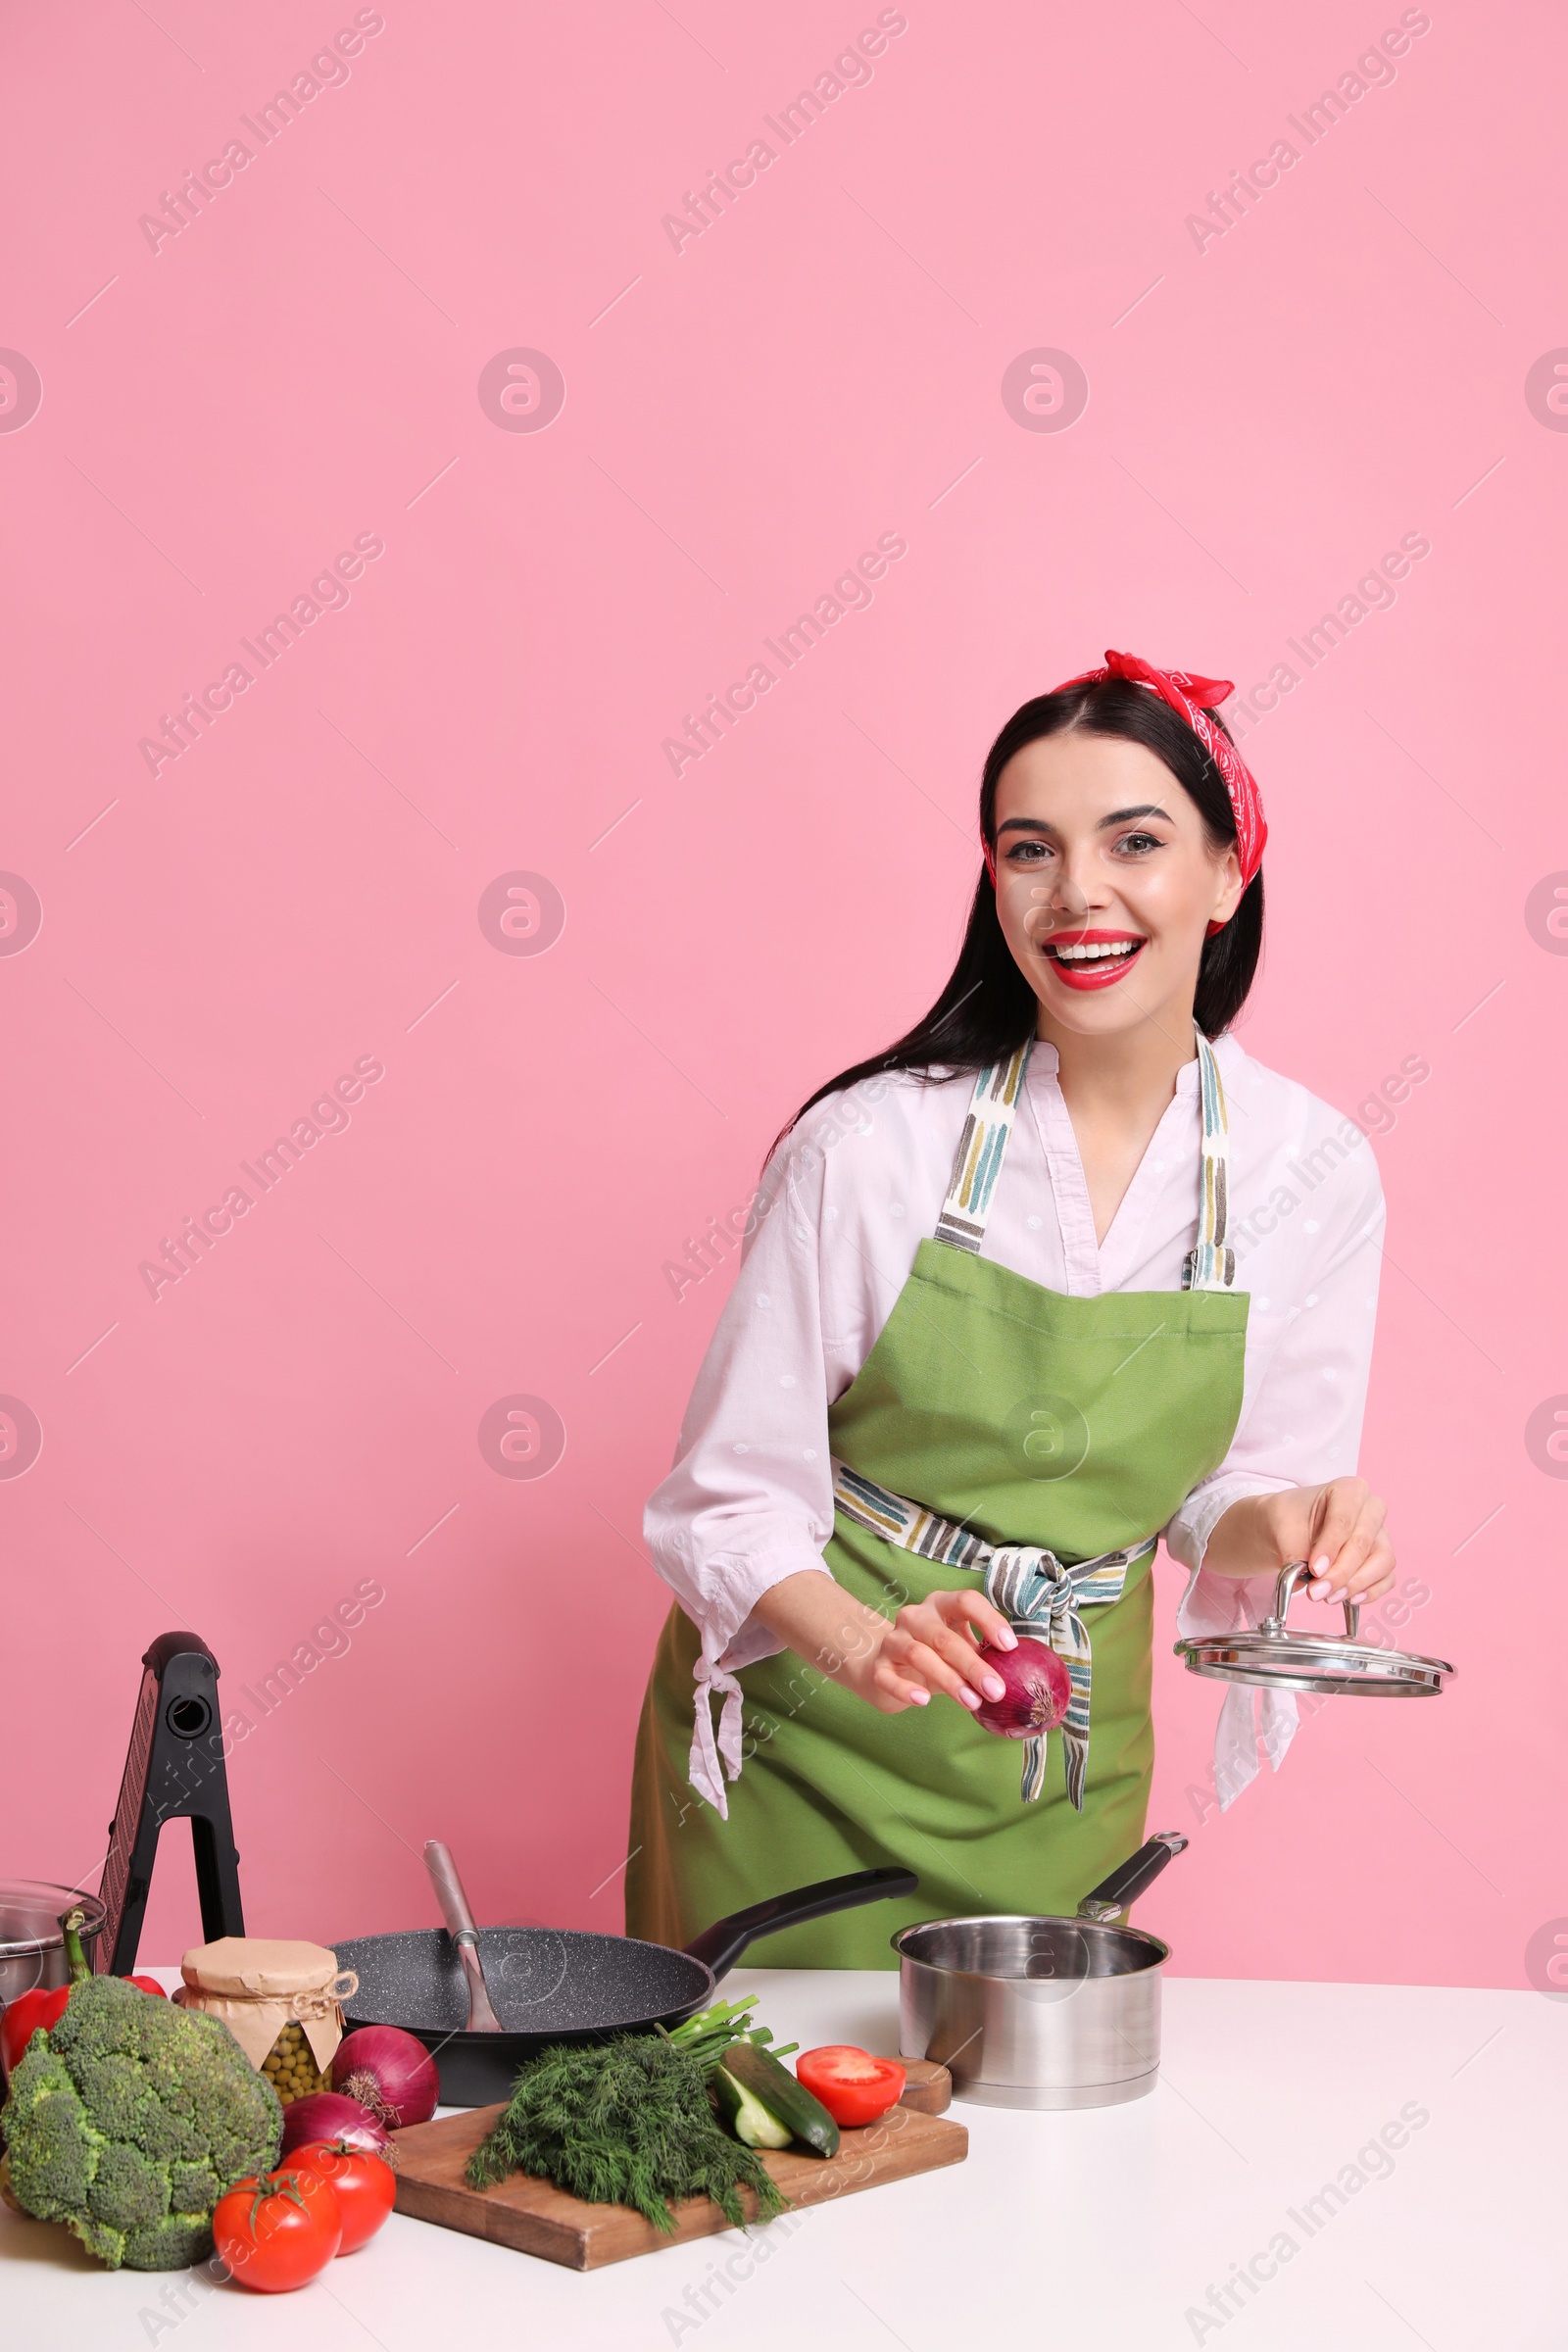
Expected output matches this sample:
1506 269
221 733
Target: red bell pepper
24 2014
43 2005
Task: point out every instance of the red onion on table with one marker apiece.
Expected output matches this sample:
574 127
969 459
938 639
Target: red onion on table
1039 1690
328 2115
389 2073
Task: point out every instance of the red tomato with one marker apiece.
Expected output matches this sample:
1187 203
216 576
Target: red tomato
854 2086
279 2231
363 2185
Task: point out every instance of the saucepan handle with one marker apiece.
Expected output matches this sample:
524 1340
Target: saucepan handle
721 1946
1296 1572
1133 1878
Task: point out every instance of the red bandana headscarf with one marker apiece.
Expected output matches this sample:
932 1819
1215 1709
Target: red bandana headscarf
1192 699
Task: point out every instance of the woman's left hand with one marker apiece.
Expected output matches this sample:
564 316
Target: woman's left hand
1339 1530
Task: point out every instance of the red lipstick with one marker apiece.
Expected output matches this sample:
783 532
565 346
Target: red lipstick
1120 950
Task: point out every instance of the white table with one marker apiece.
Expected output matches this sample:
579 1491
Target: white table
1102 2232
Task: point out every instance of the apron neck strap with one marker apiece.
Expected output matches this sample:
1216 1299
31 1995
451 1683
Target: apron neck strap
1211 1264
977 1163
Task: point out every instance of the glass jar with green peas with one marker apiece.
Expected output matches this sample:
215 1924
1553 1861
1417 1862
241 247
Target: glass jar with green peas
281 2000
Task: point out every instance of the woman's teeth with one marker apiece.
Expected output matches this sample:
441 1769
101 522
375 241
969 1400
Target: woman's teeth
1096 955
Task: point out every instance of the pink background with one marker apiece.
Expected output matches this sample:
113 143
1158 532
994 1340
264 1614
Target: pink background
300 887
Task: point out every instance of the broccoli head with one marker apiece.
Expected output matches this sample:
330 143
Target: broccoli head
129 2120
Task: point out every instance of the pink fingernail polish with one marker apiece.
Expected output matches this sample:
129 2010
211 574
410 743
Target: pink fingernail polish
920 1698
994 1687
1006 1639
967 1696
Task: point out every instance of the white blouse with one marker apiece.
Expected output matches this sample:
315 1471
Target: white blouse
831 1239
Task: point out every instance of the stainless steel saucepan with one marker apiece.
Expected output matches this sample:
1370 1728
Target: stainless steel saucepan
1042 2012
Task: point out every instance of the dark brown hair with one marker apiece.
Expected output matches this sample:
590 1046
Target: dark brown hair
988 1007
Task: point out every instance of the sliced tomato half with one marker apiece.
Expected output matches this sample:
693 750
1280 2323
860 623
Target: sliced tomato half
854 2086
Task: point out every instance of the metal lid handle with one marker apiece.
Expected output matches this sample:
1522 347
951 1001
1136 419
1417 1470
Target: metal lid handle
1289 1578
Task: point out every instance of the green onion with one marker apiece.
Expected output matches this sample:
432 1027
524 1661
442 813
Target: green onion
708 2036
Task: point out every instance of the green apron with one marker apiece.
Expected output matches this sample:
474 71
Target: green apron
1078 1425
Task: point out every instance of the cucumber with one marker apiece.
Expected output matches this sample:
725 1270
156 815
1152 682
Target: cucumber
746 2114
774 2088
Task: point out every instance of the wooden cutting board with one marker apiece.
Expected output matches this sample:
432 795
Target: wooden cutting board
538 2217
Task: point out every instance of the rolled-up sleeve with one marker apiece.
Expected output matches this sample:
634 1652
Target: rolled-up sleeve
1310 1324
750 1498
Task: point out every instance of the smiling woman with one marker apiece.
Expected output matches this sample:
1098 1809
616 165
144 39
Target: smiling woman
903 1449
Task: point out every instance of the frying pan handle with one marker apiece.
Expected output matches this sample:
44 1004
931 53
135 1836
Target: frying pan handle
721 1946
455 1910
1133 1878
449 1893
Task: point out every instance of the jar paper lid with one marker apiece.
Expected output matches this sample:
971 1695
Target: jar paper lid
258 1965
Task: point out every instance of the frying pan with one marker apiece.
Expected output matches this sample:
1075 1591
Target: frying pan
553 1984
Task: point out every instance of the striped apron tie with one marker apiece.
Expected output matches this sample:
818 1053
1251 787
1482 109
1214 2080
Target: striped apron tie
1039 1597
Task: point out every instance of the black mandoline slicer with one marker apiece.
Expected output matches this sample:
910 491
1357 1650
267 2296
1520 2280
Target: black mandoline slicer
174 1765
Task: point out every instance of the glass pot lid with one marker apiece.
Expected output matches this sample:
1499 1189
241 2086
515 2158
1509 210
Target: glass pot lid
1276 1658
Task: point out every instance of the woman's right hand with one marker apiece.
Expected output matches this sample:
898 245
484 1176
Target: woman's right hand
928 1648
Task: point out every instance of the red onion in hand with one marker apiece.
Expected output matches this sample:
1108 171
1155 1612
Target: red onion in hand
328 2115
1037 1691
390 2073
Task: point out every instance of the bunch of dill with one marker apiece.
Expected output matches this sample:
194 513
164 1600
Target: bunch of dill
626 2121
